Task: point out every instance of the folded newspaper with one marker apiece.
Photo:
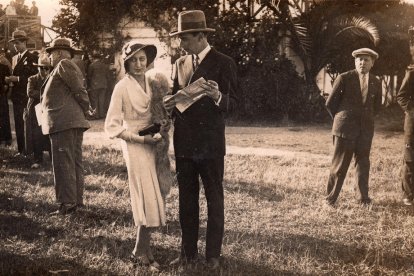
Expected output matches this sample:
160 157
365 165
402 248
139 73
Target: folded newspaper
187 96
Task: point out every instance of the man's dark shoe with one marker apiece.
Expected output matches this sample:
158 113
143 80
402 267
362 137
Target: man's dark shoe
407 202
213 263
64 209
366 201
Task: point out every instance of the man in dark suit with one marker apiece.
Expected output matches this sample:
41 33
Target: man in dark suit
98 79
355 99
405 98
65 104
22 68
199 141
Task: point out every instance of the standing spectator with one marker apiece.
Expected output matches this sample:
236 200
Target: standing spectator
77 59
36 142
5 129
33 9
2 12
355 99
98 73
199 136
11 8
22 68
405 99
64 103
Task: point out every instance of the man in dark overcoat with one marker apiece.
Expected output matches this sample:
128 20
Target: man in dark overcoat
405 97
355 99
22 68
36 142
199 140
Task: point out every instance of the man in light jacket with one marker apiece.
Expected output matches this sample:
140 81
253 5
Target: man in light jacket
64 104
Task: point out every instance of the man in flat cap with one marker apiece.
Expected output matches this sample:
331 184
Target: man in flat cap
199 141
22 68
355 99
65 104
405 98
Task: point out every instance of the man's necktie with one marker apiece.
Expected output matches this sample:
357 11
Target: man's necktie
19 56
196 62
364 87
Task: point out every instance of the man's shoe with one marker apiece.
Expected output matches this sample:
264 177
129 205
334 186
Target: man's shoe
407 202
64 209
366 201
213 263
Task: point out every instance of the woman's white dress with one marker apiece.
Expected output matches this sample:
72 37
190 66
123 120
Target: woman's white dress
130 110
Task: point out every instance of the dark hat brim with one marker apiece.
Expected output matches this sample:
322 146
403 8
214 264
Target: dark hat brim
51 49
150 51
192 31
19 39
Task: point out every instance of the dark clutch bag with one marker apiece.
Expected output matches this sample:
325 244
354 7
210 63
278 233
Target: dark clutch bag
151 129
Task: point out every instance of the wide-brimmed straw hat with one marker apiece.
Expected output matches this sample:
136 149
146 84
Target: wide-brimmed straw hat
19 35
191 21
60 44
131 48
365 51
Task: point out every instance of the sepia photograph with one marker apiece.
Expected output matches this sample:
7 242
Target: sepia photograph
207 137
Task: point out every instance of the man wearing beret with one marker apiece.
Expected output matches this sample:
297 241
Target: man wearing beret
22 68
199 141
65 103
405 98
355 99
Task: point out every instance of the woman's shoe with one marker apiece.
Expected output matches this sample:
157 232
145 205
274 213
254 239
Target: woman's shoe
143 260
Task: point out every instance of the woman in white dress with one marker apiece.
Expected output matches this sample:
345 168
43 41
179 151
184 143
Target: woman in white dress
129 111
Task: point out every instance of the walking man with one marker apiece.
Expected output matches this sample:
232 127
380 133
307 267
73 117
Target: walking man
355 99
64 103
199 141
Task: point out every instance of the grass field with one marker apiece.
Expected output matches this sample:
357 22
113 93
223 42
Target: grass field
276 222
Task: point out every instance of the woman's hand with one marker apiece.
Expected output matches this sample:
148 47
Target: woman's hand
152 140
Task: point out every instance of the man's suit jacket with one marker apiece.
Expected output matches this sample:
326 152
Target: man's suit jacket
23 68
64 99
98 73
405 98
353 116
199 131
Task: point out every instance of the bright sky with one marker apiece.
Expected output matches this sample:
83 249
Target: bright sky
47 9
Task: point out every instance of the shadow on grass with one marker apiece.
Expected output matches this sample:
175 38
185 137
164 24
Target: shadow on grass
16 264
254 190
299 246
25 228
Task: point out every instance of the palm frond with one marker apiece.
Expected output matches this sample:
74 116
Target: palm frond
357 26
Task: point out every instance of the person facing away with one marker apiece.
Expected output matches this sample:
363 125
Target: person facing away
34 10
405 98
65 104
97 75
199 141
129 111
355 99
22 68
36 142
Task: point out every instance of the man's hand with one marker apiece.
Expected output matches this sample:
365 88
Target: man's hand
10 79
212 89
169 103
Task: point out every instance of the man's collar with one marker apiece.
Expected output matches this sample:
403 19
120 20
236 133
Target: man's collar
204 53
